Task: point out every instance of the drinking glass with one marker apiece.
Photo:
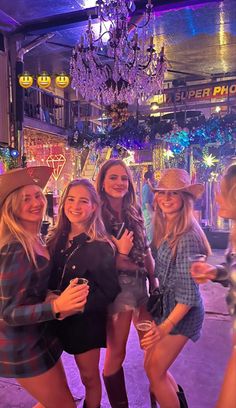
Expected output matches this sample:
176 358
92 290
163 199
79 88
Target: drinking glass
143 326
82 281
197 258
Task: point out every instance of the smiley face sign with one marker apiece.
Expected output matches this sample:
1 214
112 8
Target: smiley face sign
44 80
62 80
26 80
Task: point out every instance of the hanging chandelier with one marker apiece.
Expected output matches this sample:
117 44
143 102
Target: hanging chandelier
121 64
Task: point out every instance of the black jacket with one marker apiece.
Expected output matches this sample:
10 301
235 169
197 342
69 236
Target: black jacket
94 261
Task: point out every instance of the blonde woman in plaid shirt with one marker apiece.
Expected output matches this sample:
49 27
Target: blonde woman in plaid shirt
29 351
177 236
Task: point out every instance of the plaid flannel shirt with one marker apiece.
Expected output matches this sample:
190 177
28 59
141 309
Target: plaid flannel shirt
177 284
27 346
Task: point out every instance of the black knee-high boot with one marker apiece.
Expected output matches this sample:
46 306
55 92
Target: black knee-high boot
85 405
116 390
182 398
180 395
153 400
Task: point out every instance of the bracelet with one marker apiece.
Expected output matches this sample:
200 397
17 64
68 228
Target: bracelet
173 324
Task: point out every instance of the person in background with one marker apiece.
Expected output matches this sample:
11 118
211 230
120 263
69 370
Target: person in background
177 236
123 221
80 247
147 203
225 274
29 351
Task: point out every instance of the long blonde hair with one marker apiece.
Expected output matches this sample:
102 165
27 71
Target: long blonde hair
229 179
11 229
95 227
184 222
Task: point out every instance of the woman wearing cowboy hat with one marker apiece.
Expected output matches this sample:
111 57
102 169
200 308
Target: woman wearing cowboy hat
28 350
177 236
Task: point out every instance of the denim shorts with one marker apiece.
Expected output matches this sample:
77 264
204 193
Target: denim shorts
133 293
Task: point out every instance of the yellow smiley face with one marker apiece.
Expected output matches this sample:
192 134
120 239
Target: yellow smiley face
26 80
44 80
62 80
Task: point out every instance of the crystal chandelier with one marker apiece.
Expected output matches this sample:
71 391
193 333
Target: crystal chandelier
126 67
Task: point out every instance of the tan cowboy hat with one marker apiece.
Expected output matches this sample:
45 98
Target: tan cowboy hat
20 177
179 180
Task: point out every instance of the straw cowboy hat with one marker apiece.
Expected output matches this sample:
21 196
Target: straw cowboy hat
17 178
179 180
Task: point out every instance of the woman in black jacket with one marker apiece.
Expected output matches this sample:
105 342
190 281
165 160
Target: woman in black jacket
80 248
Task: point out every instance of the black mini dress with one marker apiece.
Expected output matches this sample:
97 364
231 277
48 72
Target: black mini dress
94 261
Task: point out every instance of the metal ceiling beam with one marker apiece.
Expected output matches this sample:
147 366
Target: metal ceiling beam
57 22
72 19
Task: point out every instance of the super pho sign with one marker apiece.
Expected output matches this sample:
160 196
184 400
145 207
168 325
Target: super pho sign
198 93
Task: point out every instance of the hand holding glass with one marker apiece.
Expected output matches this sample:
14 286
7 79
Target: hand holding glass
73 299
143 326
200 270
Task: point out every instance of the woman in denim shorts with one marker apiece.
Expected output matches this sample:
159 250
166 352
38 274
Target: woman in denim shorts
123 220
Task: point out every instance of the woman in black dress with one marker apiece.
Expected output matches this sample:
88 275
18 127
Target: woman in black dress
80 248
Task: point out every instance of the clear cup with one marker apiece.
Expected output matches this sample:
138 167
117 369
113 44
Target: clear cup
143 326
197 258
192 260
82 281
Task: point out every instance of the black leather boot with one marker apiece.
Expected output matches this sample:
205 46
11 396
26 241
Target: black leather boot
85 405
116 390
182 398
153 400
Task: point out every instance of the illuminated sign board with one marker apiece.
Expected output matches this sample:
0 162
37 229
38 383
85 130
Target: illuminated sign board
197 93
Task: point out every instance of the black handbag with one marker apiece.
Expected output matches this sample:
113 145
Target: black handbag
155 303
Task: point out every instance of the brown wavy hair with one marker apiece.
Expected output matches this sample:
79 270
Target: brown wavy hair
95 227
132 212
